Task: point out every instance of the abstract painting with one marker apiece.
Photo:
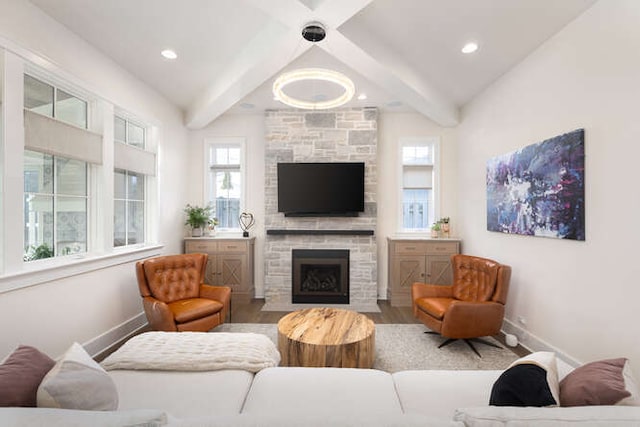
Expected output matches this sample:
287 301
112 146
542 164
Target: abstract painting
539 189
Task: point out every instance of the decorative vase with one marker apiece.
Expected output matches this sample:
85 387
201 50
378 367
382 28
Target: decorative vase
445 229
196 232
434 233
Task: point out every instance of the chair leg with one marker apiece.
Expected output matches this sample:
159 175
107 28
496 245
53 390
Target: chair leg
469 342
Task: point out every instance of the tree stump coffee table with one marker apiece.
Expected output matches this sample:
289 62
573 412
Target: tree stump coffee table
326 337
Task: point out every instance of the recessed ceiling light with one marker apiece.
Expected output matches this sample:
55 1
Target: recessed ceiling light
362 96
470 47
169 54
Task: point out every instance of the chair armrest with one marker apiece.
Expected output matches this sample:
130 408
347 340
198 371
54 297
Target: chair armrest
218 293
159 315
425 290
468 319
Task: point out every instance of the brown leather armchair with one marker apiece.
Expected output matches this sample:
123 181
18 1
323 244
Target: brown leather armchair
174 295
472 307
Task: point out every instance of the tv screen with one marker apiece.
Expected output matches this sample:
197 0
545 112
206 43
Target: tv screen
320 189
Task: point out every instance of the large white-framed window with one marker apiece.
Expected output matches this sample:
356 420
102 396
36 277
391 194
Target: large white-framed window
419 183
225 180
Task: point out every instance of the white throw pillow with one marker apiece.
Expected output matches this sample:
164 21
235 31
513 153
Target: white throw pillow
78 382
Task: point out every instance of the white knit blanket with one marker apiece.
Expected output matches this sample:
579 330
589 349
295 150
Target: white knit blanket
195 351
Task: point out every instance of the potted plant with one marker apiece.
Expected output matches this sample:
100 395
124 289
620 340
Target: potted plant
435 229
198 217
211 226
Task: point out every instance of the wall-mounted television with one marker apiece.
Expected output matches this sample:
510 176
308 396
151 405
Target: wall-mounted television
321 189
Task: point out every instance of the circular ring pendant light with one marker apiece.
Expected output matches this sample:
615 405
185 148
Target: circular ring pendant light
313 74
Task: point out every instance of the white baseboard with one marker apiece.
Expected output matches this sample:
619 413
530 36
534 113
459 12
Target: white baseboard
533 343
106 340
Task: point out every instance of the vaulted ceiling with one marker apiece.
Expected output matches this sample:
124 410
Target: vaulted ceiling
405 55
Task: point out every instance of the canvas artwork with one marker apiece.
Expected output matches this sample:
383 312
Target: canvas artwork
539 189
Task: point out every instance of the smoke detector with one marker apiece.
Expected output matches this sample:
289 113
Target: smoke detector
314 32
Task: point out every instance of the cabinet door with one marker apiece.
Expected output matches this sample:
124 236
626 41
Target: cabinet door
232 271
439 270
211 274
407 270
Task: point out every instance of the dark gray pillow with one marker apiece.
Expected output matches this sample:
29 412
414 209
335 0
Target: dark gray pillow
522 385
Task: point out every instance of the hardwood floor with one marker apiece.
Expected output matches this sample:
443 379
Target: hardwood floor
251 313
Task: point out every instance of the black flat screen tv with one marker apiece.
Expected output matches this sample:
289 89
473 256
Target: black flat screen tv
320 189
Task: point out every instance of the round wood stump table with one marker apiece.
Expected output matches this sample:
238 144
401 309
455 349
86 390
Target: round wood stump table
326 337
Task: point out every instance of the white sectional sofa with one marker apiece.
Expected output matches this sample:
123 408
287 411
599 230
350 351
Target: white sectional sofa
289 396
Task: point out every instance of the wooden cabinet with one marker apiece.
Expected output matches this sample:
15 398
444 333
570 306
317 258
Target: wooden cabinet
413 260
230 263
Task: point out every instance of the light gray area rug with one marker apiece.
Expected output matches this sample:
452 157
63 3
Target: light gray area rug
401 347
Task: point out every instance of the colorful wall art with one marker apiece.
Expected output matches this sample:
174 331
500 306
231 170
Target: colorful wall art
539 189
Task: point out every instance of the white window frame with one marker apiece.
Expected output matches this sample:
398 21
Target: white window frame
225 142
431 141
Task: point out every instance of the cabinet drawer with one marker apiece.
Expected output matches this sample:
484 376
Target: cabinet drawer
410 248
191 246
232 246
442 248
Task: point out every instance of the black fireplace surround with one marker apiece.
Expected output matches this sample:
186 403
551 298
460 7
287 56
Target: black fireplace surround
320 276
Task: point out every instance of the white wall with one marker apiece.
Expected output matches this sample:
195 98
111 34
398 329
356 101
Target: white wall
52 315
579 297
251 127
392 128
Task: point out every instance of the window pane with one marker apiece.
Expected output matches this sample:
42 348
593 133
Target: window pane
71 225
135 226
71 177
38 172
120 130
135 186
119 186
119 222
234 156
135 135
228 184
71 109
415 208
416 155
38 96
38 227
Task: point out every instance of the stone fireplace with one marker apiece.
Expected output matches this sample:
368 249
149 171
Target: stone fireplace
320 276
308 136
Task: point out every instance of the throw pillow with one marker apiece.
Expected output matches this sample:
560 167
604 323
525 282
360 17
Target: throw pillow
605 382
529 381
78 382
20 375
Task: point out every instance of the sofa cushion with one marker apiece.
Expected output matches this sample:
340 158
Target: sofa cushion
77 382
437 393
529 381
322 392
585 416
55 417
20 375
183 394
605 382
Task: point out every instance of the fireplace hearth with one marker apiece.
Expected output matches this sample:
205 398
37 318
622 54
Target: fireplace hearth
320 276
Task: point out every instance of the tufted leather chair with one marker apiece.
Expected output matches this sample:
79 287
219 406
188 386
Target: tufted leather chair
174 295
472 307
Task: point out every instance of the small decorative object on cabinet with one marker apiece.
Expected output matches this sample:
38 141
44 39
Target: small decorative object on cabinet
246 221
444 225
435 230
418 260
197 218
230 263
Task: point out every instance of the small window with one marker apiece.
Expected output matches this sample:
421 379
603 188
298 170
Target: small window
418 178
55 206
129 133
45 99
225 183
129 208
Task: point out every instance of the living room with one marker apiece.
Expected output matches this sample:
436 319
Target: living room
581 77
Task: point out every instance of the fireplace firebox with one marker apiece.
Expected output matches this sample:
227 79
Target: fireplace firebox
320 276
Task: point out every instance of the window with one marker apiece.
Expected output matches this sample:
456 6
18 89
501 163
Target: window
418 179
129 133
50 101
128 224
225 182
55 206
